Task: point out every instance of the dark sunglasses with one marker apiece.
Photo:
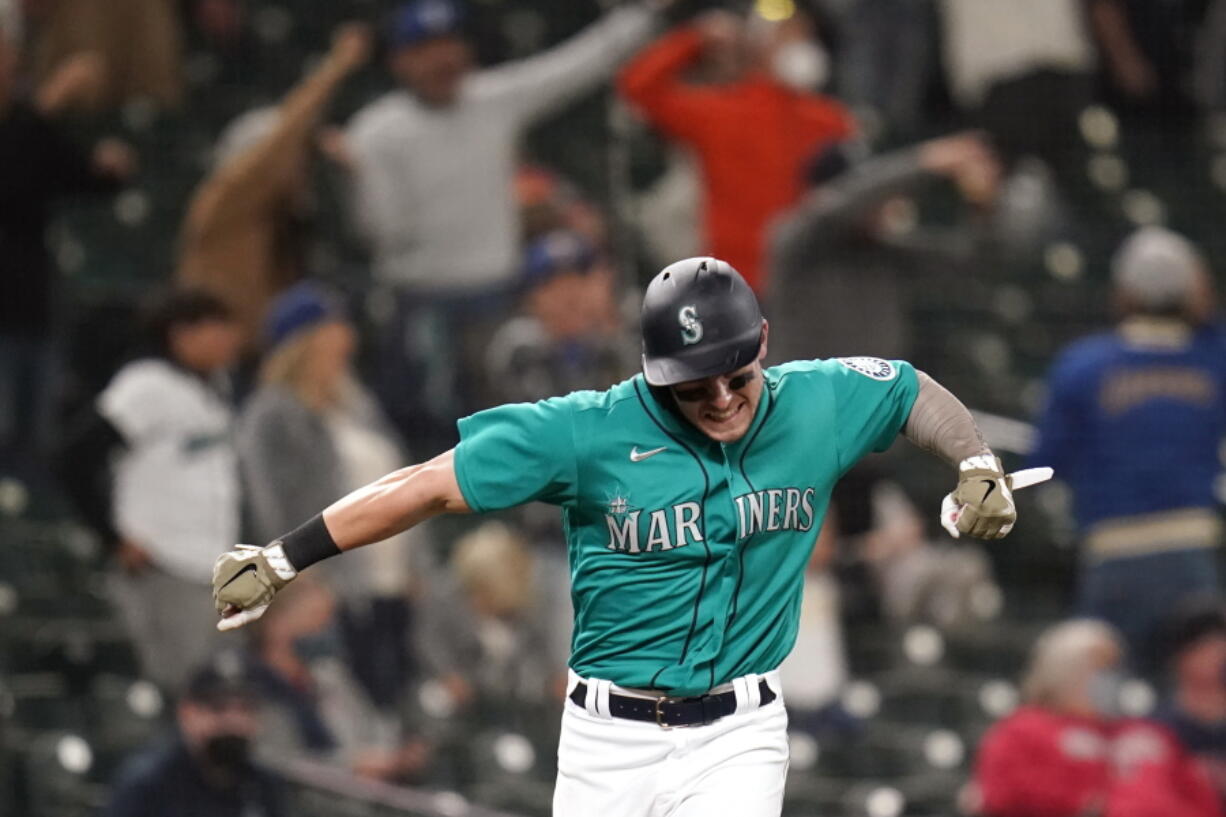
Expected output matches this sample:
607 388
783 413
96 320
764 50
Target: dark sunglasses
693 394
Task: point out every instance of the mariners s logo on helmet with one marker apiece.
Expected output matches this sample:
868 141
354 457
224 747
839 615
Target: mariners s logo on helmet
691 327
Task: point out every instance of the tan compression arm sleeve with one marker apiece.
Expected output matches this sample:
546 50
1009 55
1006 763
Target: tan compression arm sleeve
941 425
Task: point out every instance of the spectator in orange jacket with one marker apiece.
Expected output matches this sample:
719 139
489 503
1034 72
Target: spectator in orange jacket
754 129
1065 753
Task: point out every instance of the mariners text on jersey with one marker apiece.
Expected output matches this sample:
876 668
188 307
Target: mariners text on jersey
687 555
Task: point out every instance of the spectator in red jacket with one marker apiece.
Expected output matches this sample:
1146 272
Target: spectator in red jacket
1065 753
754 128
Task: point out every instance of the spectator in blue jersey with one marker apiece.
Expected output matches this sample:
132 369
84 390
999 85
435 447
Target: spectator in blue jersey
1194 707
1132 423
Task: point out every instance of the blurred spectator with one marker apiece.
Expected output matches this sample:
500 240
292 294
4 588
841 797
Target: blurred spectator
548 201
140 40
434 163
815 672
76 83
206 771
1132 423
152 468
840 270
752 129
1023 70
310 434
246 232
1210 67
315 707
918 579
1148 50
886 62
1195 706
566 338
488 632
666 216
1065 753
38 166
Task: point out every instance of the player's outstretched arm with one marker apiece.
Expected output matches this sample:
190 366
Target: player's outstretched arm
245 579
982 503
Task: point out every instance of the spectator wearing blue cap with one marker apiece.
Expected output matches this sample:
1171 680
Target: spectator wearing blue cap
312 432
565 336
433 164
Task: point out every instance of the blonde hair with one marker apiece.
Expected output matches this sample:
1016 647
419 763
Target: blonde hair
1065 653
495 563
288 364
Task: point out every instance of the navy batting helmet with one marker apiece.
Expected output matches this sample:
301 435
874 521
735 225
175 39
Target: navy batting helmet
700 319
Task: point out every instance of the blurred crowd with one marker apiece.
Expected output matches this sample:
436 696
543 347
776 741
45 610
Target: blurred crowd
854 159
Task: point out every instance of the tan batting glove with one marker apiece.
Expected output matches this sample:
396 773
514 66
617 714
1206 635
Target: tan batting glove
982 504
245 580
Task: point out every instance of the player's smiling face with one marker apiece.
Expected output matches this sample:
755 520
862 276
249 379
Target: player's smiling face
722 407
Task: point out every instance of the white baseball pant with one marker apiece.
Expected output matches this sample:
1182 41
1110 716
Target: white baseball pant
613 767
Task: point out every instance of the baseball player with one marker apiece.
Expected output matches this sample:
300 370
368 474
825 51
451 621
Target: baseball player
691 495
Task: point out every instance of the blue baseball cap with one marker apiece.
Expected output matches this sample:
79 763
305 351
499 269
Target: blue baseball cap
421 20
553 252
300 307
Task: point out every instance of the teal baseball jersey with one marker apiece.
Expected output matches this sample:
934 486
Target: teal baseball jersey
686 555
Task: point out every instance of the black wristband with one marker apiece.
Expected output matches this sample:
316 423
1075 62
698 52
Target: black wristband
308 543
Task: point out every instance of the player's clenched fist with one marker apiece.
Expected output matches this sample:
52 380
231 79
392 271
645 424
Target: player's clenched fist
982 504
245 580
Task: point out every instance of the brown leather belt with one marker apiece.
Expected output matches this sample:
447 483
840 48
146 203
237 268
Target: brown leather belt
669 712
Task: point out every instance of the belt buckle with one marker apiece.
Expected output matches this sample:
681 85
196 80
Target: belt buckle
660 711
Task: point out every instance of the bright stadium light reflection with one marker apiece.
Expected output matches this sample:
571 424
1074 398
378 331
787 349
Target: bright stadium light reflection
885 801
862 699
998 698
1137 698
923 645
144 699
74 754
450 804
514 753
803 751
775 10
943 749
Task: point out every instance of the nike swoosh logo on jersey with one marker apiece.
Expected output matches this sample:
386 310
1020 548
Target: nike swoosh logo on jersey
639 456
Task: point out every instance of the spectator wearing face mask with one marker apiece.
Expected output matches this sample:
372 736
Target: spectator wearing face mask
1067 753
206 769
1195 704
753 129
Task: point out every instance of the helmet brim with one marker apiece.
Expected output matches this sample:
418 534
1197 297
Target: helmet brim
703 362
